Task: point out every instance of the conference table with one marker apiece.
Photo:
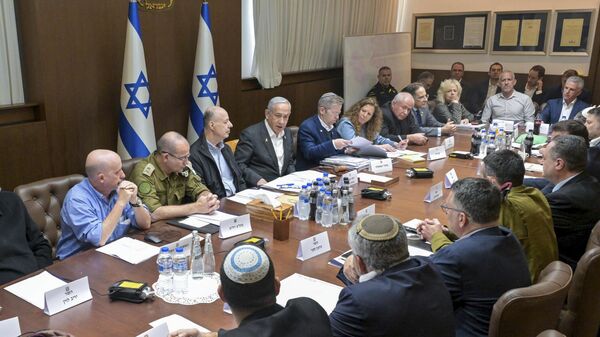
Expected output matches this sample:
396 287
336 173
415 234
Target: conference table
103 317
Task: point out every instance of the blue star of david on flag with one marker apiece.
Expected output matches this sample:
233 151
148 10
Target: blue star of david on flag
134 101
204 90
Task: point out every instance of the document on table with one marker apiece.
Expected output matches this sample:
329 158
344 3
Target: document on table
176 322
247 195
194 222
368 178
293 182
414 251
215 217
298 285
34 288
360 142
129 250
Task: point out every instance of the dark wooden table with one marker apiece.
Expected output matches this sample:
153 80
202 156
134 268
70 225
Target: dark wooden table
101 317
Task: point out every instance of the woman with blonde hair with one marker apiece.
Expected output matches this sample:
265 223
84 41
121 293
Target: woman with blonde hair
449 107
364 119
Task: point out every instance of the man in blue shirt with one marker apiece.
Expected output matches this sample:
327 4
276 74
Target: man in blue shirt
101 208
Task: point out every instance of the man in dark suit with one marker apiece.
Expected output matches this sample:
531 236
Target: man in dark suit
399 123
264 151
317 136
249 286
482 91
379 275
486 260
534 87
212 159
567 107
574 197
557 91
592 123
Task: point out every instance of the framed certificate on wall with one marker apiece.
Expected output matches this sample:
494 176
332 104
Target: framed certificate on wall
450 32
520 32
573 32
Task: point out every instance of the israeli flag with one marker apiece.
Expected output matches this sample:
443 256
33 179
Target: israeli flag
204 82
136 128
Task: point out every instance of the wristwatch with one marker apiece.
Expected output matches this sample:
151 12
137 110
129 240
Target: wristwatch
137 204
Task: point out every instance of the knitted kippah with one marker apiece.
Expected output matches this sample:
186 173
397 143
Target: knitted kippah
378 227
246 264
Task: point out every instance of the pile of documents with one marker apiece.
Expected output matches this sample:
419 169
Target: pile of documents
293 182
352 163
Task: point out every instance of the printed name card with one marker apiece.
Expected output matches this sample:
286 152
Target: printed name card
161 330
185 242
450 178
10 327
313 246
352 178
366 211
381 165
235 226
449 143
67 296
435 192
435 153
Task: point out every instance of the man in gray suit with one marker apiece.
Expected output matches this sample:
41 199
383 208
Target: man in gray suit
428 123
265 150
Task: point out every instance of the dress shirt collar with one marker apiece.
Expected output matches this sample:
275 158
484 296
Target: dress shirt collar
595 142
325 126
89 187
563 182
272 133
474 232
215 148
368 276
512 95
568 106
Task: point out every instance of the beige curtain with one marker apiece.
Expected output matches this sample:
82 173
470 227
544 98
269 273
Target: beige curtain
303 35
11 82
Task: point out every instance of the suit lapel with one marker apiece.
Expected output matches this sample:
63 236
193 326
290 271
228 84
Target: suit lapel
268 144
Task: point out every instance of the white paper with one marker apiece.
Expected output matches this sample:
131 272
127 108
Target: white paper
249 194
469 126
67 296
450 178
435 192
194 222
360 142
298 285
412 223
435 153
449 143
215 217
414 251
381 165
531 167
129 250
293 182
159 331
474 32
33 288
239 199
10 327
176 322
368 178
313 246
369 210
235 226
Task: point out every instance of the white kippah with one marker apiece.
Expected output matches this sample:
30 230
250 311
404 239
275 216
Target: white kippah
246 264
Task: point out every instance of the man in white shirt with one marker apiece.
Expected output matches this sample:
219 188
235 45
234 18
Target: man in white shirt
567 107
508 104
265 149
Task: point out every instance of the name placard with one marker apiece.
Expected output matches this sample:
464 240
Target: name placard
67 296
161 330
366 211
185 242
313 246
435 192
235 226
352 178
449 143
435 153
381 165
450 178
10 327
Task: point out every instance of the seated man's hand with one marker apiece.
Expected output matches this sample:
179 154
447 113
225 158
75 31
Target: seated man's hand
449 128
350 270
261 182
185 333
127 191
401 145
417 138
207 203
428 227
340 143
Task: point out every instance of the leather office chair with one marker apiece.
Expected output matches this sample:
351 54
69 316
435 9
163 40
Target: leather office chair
232 144
530 310
128 165
294 131
594 240
581 316
44 199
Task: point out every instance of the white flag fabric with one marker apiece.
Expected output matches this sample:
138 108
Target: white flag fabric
204 82
136 127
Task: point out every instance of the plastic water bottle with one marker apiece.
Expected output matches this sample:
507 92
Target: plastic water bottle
335 206
483 148
180 271
165 272
491 146
344 214
196 264
319 211
209 255
326 217
303 204
326 180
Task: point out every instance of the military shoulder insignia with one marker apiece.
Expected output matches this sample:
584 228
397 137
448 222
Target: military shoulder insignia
189 165
144 188
148 170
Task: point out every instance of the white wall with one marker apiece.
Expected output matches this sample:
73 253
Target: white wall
480 62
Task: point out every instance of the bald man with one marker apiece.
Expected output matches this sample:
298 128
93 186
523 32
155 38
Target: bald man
167 182
101 208
398 121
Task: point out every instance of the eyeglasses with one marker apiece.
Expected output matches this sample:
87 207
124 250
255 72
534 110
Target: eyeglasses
182 158
445 209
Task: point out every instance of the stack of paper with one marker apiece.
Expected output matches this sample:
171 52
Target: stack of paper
32 289
176 322
293 182
469 126
130 250
353 163
215 217
250 194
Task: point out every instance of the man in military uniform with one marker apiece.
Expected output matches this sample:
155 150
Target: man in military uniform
166 181
383 91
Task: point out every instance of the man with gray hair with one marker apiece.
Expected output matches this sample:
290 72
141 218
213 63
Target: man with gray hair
265 149
567 107
485 261
574 197
388 292
509 104
317 136
167 183
101 208
399 123
212 159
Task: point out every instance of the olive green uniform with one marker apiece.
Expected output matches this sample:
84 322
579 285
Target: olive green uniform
157 189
